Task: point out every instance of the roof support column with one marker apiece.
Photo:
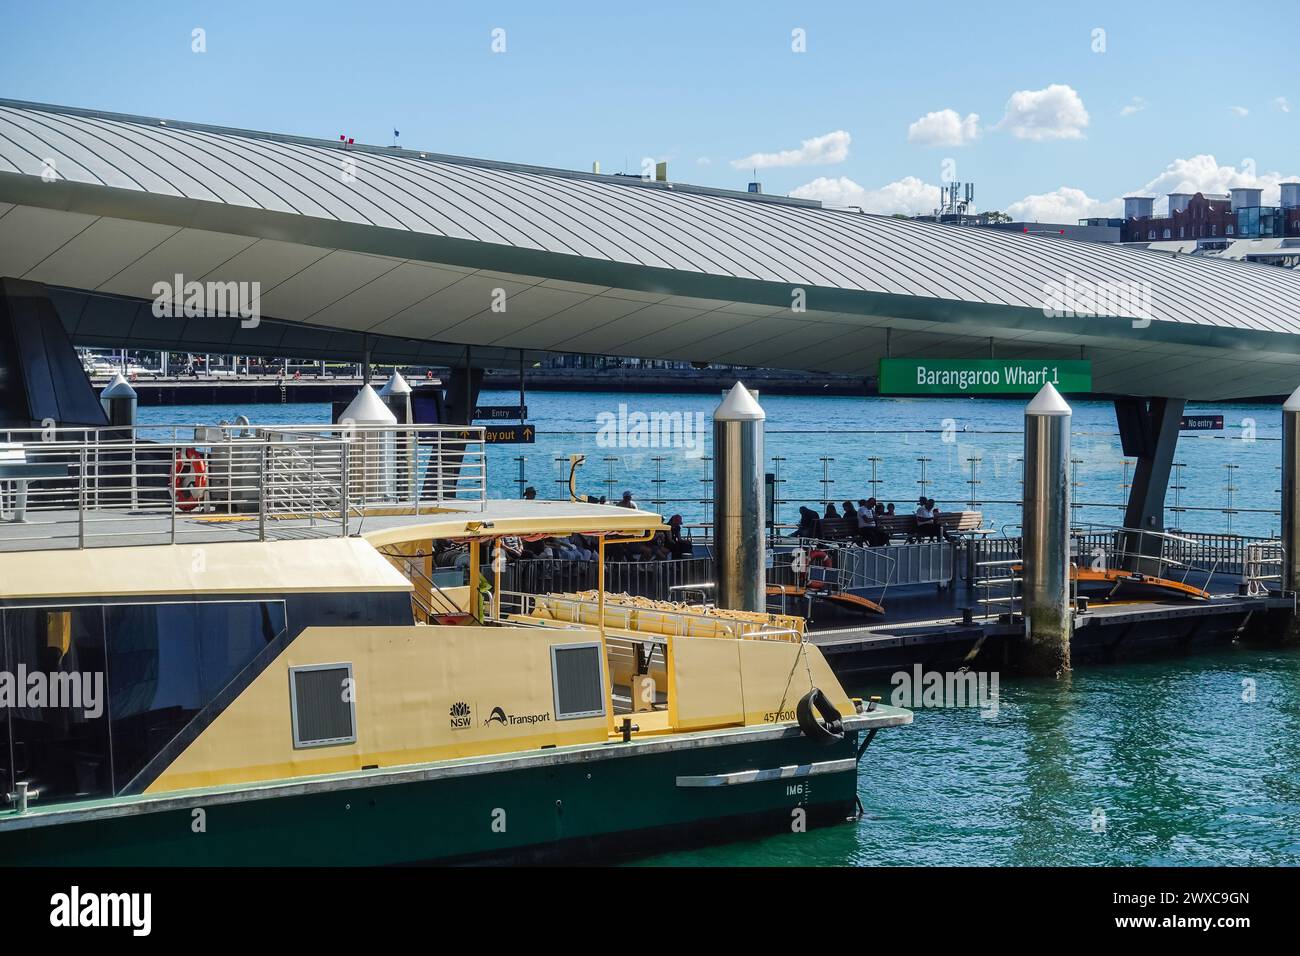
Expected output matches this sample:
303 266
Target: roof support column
1148 431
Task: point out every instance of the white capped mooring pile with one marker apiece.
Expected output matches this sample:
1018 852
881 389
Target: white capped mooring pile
1291 492
372 452
119 401
396 394
1046 534
738 502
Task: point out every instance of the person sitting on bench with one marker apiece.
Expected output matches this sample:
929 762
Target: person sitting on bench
809 524
831 513
851 516
869 532
947 536
927 528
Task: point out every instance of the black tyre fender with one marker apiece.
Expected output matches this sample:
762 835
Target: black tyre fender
825 726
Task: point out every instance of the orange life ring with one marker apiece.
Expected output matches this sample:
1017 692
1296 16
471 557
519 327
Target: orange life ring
189 479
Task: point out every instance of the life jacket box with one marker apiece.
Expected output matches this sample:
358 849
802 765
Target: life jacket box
643 693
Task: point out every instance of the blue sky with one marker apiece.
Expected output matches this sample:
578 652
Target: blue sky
1049 118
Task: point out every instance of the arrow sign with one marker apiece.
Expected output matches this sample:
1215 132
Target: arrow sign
510 434
500 413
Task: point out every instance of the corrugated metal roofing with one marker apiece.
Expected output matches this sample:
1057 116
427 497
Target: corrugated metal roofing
621 220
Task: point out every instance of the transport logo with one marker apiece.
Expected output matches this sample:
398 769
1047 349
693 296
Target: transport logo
462 715
499 716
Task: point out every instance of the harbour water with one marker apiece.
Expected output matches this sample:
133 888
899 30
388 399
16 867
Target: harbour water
1228 481
1158 763
1185 761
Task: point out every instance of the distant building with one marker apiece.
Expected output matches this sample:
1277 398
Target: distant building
1199 216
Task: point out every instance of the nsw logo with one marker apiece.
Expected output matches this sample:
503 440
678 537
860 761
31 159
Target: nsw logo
462 715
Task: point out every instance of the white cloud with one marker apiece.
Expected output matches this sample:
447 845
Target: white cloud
909 195
1203 174
1135 105
1196 174
1282 104
944 128
1055 112
820 150
704 161
1241 111
1066 205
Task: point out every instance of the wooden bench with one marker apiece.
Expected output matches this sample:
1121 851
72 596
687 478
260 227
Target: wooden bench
15 467
904 526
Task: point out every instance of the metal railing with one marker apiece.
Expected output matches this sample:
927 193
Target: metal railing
866 569
1202 560
654 622
95 486
659 580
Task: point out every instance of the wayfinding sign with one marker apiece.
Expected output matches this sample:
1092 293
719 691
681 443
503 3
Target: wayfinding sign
982 376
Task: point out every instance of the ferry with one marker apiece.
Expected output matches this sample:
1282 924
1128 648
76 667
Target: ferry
291 646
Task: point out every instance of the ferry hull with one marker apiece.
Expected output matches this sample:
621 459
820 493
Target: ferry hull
597 803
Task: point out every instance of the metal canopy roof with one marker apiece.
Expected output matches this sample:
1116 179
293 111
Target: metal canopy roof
411 245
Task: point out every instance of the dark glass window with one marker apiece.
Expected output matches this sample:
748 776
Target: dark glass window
168 661
56 696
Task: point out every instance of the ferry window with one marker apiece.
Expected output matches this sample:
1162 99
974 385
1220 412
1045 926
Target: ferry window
59 719
578 680
168 661
323 705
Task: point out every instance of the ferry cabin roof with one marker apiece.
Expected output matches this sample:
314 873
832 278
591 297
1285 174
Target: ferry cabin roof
286 566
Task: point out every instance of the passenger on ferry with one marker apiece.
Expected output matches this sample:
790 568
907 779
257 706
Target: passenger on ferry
564 548
626 501
585 547
679 546
831 513
530 493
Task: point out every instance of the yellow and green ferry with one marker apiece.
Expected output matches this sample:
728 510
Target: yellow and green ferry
288 676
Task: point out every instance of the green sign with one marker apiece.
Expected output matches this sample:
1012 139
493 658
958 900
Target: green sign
982 376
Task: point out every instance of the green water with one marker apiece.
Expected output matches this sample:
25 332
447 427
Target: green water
1185 771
